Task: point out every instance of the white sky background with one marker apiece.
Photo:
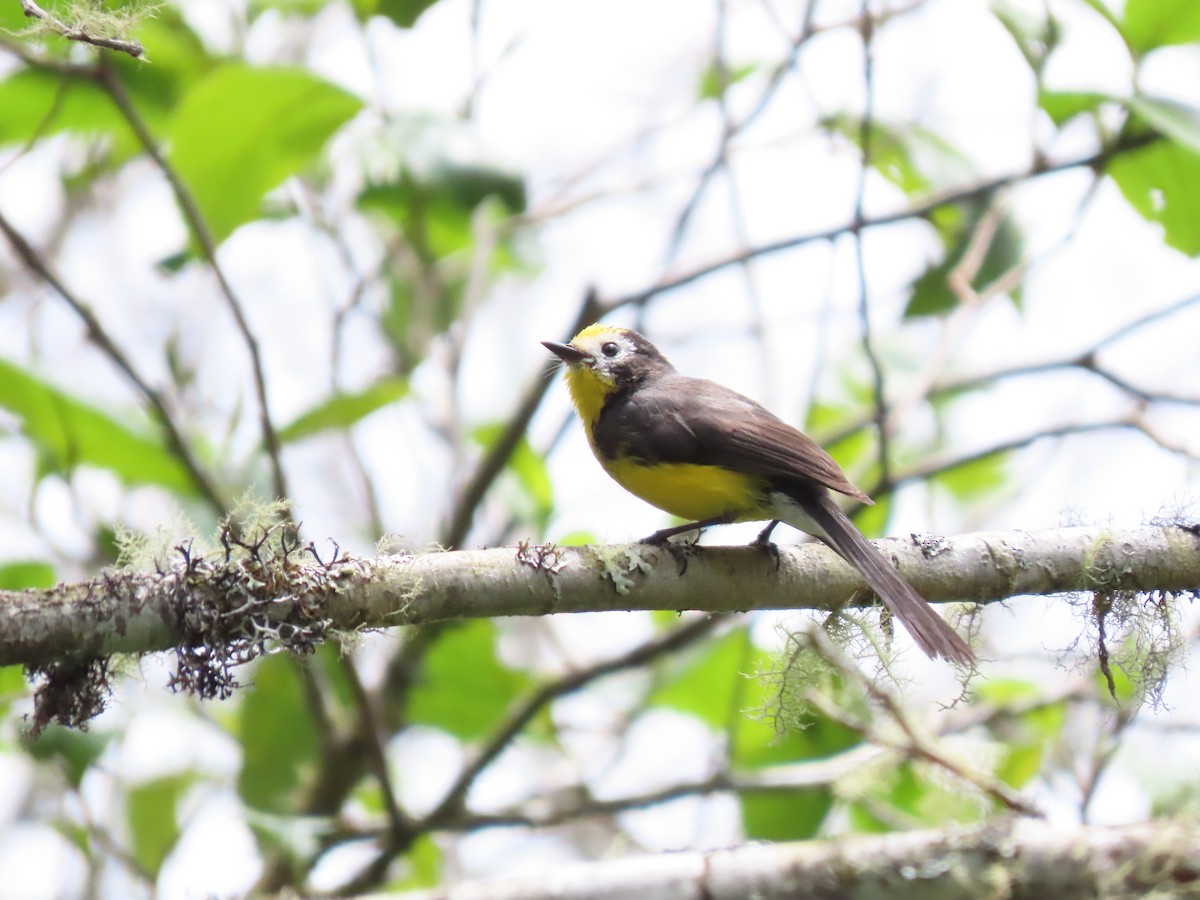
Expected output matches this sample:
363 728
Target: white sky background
598 100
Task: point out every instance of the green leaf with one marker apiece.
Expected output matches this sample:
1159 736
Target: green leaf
1158 23
68 432
1007 692
177 58
931 293
17 576
902 795
437 215
421 867
1035 36
710 684
403 12
909 156
1026 736
13 687
464 689
976 479
873 520
12 19
40 103
582 539
528 469
1179 122
723 685
280 744
1062 106
77 835
337 670
758 742
1159 181
241 131
793 816
467 186
1124 686
150 810
825 420
301 7
75 750
341 411
1101 7
434 210
1020 765
716 80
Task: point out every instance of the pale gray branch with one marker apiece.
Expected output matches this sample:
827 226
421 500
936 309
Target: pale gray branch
1015 858
190 601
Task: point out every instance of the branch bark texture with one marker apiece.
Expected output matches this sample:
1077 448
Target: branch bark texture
196 600
1000 860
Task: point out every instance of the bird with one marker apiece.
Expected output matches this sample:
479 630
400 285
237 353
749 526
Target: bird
707 454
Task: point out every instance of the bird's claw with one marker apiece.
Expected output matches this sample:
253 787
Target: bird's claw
681 551
764 541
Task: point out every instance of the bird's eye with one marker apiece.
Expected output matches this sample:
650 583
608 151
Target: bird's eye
610 349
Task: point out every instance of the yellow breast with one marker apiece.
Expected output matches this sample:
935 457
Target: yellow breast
690 491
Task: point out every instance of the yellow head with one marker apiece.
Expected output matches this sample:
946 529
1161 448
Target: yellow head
602 360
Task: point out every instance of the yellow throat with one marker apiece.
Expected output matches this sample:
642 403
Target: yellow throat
588 387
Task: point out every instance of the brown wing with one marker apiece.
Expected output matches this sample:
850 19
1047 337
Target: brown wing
692 420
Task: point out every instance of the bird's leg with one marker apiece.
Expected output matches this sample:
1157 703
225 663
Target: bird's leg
662 538
764 541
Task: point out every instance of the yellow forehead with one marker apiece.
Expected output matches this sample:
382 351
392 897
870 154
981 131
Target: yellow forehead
590 339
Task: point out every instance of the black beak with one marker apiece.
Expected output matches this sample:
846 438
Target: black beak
565 352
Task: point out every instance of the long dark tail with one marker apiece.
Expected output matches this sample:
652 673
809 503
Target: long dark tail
928 629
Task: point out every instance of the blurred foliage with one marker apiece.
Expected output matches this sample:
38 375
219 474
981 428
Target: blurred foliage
67 432
277 120
343 410
464 689
316 739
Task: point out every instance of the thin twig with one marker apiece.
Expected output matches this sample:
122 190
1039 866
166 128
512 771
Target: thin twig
574 803
934 466
568 684
450 809
108 78
375 737
102 339
1084 361
914 744
950 197
878 387
497 456
76 33
1103 753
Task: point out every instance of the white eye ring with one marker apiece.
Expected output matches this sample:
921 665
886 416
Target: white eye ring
610 349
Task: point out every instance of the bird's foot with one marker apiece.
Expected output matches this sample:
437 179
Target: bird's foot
681 551
764 542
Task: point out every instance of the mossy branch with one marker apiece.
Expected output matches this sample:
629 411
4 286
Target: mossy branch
89 24
220 609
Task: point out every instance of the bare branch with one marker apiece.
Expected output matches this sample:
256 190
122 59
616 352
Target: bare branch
493 462
32 260
913 743
111 82
951 197
1029 858
866 129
